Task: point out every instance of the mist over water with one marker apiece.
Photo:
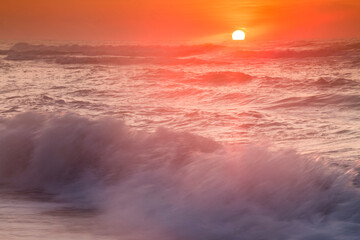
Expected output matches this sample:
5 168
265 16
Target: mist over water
180 142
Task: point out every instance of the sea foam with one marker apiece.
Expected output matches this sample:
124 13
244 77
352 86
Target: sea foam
177 185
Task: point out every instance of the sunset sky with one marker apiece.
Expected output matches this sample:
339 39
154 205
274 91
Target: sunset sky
164 20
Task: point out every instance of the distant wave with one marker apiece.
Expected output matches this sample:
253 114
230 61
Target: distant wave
182 54
115 50
131 60
107 54
316 50
172 185
113 60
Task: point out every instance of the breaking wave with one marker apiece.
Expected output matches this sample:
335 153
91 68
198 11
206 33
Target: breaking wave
171 185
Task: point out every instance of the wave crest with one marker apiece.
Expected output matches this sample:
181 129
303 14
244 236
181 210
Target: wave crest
172 185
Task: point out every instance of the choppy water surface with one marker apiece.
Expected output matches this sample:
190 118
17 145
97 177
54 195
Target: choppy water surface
180 142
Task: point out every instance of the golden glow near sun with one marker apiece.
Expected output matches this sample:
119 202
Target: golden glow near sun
238 35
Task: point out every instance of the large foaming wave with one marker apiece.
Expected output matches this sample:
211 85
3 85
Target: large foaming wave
170 185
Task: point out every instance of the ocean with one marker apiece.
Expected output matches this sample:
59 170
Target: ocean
235 141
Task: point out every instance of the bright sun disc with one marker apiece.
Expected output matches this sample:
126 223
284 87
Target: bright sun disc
238 35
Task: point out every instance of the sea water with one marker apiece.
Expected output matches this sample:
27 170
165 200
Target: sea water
210 141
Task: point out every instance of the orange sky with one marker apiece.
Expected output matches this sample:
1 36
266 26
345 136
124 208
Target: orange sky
160 20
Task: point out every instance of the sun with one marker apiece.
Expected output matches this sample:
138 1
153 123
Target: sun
238 35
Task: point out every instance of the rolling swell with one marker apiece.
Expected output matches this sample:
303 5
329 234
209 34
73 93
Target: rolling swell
336 82
169 185
224 78
321 100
